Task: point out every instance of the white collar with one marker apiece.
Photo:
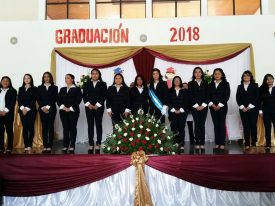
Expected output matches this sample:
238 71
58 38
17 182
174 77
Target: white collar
2 89
95 81
72 86
47 84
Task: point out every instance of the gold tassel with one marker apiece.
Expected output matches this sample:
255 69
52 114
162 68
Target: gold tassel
142 194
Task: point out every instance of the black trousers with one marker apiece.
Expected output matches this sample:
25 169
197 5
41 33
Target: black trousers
28 127
157 113
178 126
47 120
6 122
249 121
269 119
199 120
218 118
191 131
94 117
69 122
117 116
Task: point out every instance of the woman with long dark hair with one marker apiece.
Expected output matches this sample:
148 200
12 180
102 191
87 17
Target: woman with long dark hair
94 95
219 93
247 98
139 95
267 106
7 104
68 100
46 99
178 110
27 96
199 98
160 90
117 102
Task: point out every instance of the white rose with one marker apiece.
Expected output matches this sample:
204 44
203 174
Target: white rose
117 148
168 137
147 138
137 118
159 141
119 129
148 130
108 148
119 142
140 126
133 129
164 131
140 111
155 135
157 125
139 135
125 134
161 149
173 153
149 120
133 121
131 139
114 135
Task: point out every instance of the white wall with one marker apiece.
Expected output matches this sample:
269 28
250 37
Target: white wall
37 39
16 10
271 6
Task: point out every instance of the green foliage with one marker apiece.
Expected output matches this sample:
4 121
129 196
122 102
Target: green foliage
207 76
83 80
140 132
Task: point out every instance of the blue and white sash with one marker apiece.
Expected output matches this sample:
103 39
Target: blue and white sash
155 99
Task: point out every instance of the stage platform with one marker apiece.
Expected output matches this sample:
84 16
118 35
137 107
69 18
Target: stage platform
232 147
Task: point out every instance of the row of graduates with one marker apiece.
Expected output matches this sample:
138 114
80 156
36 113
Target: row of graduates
195 97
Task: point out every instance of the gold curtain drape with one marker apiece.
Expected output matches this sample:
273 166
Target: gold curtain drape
18 141
142 193
108 55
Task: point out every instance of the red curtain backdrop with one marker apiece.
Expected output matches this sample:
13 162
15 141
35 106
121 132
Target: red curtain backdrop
38 175
144 63
253 173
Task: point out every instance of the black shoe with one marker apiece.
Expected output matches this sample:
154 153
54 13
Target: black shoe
71 151
181 151
97 151
202 150
267 150
221 151
90 151
197 151
8 151
64 151
215 150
